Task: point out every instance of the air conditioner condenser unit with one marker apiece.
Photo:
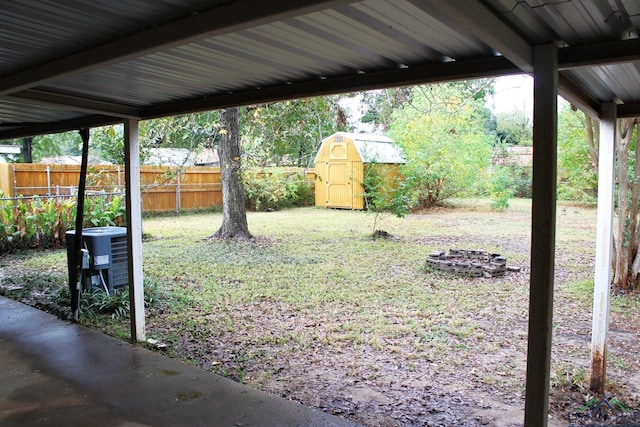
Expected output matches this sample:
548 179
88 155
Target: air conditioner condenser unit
106 266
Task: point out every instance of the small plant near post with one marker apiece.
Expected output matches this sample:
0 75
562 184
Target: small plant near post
501 189
384 196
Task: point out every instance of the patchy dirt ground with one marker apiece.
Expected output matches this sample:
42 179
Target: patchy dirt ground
392 381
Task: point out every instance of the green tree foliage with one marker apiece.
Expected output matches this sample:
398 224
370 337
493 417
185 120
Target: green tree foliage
514 128
577 177
511 175
379 105
445 132
190 131
108 143
289 132
57 144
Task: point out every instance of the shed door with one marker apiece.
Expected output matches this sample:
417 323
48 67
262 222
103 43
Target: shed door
339 191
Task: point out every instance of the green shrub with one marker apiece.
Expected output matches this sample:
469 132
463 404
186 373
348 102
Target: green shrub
103 210
36 223
522 180
571 192
270 191
41 223
443 133
502 188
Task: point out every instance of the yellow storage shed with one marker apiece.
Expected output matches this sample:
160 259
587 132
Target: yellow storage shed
341 163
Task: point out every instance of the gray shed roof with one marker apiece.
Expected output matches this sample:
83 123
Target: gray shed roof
65 65
374 148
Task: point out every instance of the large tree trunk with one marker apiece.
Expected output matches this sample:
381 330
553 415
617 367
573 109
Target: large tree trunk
234 213
633 209
593 139
635 212
622 265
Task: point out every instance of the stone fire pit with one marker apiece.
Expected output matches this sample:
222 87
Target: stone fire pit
473 263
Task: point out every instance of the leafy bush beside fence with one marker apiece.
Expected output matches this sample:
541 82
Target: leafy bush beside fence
41 223
275 190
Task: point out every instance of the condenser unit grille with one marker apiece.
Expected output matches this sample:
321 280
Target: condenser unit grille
120 265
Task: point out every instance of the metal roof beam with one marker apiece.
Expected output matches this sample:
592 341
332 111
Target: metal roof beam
599 54
484 24
413 75
76 103
44 128
577 96
628 111
232 16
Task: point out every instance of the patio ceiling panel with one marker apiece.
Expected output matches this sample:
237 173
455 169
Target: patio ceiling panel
404 29
478 22
578 23
16 112
622 81
569 22
610 83
523 20
155 36
35 32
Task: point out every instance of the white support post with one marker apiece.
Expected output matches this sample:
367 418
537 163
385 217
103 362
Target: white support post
134 229
178 195
48 181
543 224
604 244
13 180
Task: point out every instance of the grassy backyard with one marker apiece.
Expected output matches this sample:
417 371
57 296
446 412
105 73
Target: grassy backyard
318 311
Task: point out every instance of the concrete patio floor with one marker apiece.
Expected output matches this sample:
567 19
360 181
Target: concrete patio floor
56 373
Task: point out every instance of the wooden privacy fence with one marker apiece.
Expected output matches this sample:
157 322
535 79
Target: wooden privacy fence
163 188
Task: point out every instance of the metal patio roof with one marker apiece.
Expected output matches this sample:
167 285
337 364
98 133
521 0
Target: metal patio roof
86 62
